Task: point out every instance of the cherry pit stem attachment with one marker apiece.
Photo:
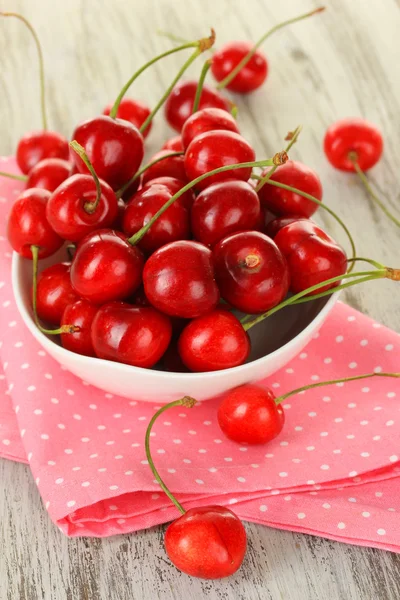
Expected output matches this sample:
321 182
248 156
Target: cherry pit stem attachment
226 81
136 176
41 64
90 207
187 402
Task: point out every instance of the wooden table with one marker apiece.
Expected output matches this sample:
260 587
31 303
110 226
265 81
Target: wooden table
341 63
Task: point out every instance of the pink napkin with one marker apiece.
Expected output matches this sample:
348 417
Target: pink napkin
333 471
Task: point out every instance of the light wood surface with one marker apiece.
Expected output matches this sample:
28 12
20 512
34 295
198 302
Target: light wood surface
341 63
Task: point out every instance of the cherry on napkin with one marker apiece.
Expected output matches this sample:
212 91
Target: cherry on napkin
333 471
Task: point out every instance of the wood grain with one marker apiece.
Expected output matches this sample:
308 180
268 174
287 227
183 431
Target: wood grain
339 64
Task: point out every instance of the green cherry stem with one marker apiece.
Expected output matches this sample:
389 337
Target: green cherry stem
64 328
187 402
280 156
122 190
226 81
374 263
293 137
12 176
370 191
203 74
41 65
90 207
304 388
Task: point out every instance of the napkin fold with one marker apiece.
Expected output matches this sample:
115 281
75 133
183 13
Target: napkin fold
333 471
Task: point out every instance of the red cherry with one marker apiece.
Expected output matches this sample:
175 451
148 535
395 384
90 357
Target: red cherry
251 272
250 77
353 140
134 111
171 166
174 144
49 174
54 293
179 280
114 147
207 542
277 224
312 255
172 225
224 208
215 149
207 119
81 314
213 342
173 185
106 267
285 203
134 335
27 225
248 414
179 105
35 146
68 211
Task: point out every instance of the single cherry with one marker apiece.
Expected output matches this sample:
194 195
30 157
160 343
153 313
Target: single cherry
54 293
251 272
250 77
276 225
134 111
312 255
170 166
248 415
353 140
106 267
207 119
174 144
49 174
179 280
179 105
80 314
214 149
28 225
36 146
173 185
213 342
224 208
286 203
134 335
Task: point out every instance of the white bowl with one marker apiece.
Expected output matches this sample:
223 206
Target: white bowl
275 342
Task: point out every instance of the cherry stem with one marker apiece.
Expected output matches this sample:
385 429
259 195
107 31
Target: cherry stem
187 402
41 65
280 156
227 80
90 207
374 263
293 136
203 74
283 397
13 176
122 190
64 328
370 191
201 46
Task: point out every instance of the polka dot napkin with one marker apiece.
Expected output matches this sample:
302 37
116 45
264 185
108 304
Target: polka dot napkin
334 470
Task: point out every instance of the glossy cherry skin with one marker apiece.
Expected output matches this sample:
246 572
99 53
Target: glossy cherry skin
214 342
277 224
353 136
81 314
66 211
114 147
28 225
207 119
133 335
250 77
224 208
106 267
248 414
134 111
214 149
251 272
172 225
179 105
38 145
207 542
179 280
312 255
284 203
54 293
173 185
49 174
171 166
174 144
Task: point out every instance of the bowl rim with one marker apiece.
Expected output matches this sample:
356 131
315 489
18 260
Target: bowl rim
88 360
